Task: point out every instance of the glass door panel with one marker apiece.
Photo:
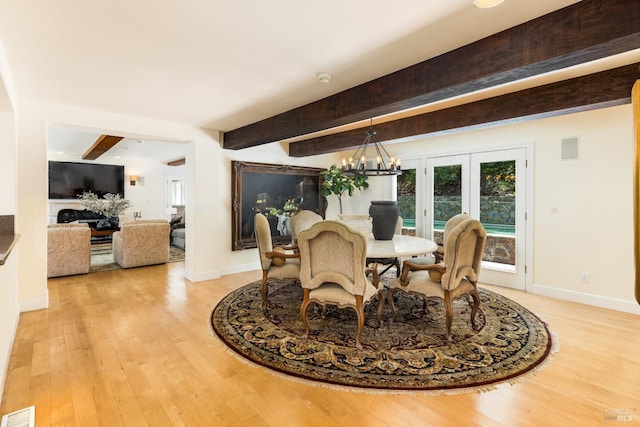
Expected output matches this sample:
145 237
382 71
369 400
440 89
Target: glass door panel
406 196
447 194
489 186
409 200
448 179
498 201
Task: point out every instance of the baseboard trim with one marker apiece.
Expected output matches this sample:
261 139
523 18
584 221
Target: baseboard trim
201 277
589 299
216 274
34 304
241 268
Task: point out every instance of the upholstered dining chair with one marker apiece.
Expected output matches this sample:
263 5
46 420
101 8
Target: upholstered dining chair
450 225
438 255
275 262
454 278
333 271
301 221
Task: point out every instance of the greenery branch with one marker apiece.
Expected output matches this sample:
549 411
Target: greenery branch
112 205
337 183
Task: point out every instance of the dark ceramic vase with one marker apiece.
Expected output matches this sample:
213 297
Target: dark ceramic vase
384 214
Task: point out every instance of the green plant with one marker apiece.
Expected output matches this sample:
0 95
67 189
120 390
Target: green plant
337 183
110 206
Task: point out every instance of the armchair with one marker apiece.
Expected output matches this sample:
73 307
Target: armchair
448 227
455 277
301 221
142 242
68 249
275 262
333 271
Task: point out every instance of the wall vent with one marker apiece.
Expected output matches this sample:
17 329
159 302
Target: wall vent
569 148
21 418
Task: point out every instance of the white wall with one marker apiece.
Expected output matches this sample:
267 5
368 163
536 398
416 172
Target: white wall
593 228
9 310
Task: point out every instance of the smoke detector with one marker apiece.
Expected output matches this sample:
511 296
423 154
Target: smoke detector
324 77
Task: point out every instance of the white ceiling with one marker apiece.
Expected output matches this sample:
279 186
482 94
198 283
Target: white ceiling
225 64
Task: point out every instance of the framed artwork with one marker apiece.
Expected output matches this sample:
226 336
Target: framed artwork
278 192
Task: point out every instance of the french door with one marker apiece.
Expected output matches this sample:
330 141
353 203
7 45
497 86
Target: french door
489 186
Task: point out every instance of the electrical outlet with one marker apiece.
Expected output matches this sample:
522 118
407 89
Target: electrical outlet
584 277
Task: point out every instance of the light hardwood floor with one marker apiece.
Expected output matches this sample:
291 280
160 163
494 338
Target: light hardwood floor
134 347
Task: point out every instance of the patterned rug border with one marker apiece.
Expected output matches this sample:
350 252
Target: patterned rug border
553 346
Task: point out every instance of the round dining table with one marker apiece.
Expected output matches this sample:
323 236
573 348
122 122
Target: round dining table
400 246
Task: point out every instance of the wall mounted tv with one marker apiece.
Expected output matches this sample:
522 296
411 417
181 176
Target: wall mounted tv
68 180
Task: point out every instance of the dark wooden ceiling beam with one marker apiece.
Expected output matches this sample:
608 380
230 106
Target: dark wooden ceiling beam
585 31
598 90
178 162
103 144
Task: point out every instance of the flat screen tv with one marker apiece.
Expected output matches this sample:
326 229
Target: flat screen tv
68 180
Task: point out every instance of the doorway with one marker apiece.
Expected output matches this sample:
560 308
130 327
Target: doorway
490 186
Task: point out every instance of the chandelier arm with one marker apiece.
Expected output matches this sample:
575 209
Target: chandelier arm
357 164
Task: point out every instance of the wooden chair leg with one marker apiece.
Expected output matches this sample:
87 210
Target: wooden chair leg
390 293
303 312
449 313
381 299
474 309
360 313
263 290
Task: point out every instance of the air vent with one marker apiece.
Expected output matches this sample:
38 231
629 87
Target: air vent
569 149
22 418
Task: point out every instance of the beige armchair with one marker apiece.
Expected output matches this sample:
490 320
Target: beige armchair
333 271
68 249
275 262
301 221
455 277
448 227
142 242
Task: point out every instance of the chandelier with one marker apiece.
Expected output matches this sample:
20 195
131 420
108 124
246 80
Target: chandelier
383 164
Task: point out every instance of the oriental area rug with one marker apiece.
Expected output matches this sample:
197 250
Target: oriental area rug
410 354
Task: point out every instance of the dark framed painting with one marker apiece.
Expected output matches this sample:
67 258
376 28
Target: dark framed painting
278 192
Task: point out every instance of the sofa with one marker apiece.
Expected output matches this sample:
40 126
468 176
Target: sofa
177 238
142 242
68 249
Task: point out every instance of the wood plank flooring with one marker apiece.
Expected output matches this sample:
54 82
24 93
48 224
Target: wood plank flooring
134 348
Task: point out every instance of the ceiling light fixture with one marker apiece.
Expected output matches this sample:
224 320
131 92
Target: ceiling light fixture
485 4
324 77
384 163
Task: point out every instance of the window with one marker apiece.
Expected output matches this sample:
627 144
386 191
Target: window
177 193
406 196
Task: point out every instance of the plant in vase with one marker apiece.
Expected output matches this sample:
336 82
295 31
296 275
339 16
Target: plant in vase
111 206
337 183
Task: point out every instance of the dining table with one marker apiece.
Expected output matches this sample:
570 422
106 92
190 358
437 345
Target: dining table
400 246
